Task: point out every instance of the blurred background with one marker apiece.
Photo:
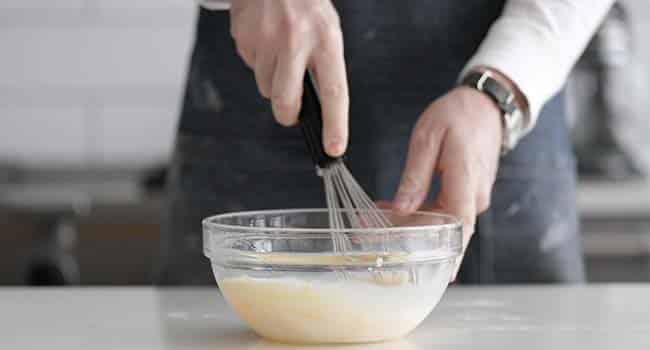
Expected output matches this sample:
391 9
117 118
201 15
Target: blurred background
81 192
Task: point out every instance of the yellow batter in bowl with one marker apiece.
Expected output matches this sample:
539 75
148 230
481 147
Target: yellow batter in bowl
279 272
347 311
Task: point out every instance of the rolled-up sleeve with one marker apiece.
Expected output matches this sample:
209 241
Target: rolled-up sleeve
535 43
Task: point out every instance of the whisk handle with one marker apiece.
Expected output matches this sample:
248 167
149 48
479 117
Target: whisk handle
311 123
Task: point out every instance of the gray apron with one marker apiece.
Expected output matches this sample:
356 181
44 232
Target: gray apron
230 155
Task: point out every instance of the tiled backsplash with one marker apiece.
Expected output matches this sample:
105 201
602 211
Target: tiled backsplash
91 82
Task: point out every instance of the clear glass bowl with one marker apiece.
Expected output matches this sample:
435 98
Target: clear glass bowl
278 270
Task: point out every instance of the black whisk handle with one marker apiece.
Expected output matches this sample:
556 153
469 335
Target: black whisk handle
311 123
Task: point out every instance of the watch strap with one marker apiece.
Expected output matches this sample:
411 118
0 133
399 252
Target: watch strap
512 121
501 95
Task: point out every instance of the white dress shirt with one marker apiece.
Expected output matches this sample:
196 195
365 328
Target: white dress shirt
535 43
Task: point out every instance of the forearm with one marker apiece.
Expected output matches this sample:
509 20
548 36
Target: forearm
535 43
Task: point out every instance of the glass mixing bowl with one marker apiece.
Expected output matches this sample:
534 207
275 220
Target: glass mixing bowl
280 273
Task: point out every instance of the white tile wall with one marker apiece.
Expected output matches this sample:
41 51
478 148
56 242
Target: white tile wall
41 4
41 134
93 57
91 82
142 4
128 142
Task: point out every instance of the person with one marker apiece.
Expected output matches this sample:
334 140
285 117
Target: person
427 99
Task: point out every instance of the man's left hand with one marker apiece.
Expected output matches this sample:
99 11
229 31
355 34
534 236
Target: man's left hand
459 138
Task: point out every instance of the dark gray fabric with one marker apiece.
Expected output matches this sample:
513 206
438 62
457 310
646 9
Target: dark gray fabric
230 154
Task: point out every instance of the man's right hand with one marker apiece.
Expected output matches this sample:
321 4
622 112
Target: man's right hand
280 40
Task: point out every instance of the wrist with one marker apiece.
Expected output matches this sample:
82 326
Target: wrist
488 110
479 100
507 97
520 99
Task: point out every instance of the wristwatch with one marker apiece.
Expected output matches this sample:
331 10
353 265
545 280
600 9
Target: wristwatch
512 117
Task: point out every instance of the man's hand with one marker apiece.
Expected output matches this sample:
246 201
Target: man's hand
458 137
279 40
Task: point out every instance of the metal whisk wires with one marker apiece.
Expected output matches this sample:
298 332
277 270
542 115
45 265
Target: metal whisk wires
348 204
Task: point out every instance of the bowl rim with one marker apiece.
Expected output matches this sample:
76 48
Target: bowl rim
208 223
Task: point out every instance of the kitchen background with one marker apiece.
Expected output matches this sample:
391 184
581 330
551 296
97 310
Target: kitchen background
89 97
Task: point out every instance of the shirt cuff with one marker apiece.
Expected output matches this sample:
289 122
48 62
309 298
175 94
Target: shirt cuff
536 51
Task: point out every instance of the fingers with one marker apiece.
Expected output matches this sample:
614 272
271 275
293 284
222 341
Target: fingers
420 164
458 195
278 40
329 66
247 55
287 87
384 204
264 67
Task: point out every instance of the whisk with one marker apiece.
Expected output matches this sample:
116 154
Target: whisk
348 204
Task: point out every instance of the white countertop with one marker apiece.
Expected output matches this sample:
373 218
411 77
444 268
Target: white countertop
477 318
